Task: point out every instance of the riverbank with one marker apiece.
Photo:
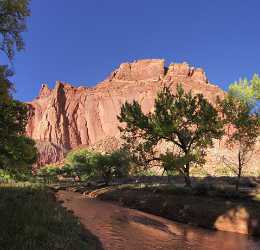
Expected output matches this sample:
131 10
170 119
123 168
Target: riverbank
32 219
219 211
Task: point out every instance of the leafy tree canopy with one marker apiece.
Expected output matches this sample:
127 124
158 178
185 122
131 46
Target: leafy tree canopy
246 90
187 121
88 164
243 129
15 149
5 85
13 14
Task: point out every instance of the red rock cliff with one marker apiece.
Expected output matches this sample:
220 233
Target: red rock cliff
68 117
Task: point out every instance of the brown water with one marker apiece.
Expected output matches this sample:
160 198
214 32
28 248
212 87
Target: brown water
127 229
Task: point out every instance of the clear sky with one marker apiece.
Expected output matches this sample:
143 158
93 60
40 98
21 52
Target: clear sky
82 41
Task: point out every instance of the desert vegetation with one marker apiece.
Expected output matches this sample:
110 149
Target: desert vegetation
85 165
174 139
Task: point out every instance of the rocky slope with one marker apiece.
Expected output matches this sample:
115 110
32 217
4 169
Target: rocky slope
66 117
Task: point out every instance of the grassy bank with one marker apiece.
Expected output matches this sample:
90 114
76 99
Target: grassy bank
209 208
31 219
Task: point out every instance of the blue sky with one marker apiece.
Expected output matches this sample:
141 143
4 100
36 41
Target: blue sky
82 41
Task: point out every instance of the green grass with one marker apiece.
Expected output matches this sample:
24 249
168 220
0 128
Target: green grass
31 219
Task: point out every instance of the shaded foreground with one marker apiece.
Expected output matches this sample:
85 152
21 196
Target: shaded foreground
31 219
123 228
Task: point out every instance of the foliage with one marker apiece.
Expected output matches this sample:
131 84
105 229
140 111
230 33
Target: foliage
106 166
13 175
139 171
13 14
15 149
189 122
32 219
5 176
90 165
48 173
5 84
242 129
245 90
81 163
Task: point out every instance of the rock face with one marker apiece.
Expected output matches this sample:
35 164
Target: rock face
49 152
66 117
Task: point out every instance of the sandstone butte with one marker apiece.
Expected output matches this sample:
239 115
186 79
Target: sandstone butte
67 117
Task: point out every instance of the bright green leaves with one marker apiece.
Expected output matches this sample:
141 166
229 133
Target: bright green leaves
247 91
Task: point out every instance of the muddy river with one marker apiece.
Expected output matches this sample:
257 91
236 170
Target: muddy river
128 229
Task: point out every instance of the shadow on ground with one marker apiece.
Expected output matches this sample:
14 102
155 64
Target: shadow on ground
218 208
32 219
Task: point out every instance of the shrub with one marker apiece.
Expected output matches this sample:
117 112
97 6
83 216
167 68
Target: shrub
89 165
112 165
5 176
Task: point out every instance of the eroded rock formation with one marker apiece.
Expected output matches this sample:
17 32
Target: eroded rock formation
68 117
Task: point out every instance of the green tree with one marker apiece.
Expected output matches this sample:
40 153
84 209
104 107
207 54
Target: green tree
112 165
89 164
5 84
13 14
242 129
81 163
189 122
247 91
14 147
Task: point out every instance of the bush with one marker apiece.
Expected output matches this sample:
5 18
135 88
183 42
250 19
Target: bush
89 165
5 176
143 171
13 174
112 165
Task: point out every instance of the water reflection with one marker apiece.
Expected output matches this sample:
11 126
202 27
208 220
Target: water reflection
122 228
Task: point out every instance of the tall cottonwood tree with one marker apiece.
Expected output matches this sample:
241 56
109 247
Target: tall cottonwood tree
13 14
189 122
14 147
243 129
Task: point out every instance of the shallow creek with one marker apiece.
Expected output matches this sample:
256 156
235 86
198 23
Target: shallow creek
127 229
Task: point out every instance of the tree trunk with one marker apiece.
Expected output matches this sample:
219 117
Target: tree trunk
187 175
239 171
